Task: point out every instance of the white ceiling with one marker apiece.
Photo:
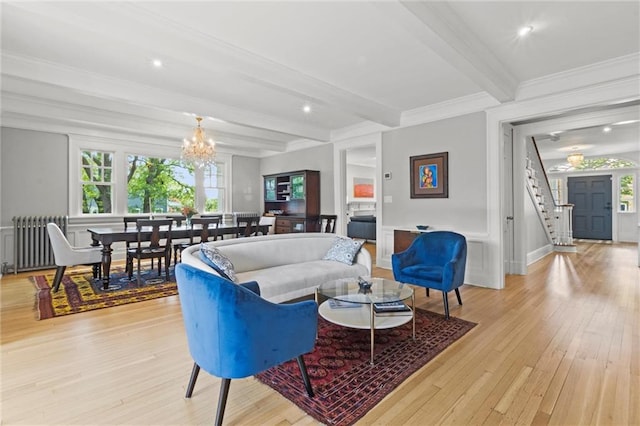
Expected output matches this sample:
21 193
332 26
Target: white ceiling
251 66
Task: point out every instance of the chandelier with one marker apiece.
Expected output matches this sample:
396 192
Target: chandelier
199 150
575 159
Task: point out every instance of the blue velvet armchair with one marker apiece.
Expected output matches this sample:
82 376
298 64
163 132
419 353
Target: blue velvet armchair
434 260
232 332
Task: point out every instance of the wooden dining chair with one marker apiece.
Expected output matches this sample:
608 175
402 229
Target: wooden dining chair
157 248
220 217
206 228
327 223
247 226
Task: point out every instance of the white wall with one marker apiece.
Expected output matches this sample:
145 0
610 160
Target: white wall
464 211
34 174
317 158
246 185
464 138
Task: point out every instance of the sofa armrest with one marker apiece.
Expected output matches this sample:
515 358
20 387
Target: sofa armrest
364 258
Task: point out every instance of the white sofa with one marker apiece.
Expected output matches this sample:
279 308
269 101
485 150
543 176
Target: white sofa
286 266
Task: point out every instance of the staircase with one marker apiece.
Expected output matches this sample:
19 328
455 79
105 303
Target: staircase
555 218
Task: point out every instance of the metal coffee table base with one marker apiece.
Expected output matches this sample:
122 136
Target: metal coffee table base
364 317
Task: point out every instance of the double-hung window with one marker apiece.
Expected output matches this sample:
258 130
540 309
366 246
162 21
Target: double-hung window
96 182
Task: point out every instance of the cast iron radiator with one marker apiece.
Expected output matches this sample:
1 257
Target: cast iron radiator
31 247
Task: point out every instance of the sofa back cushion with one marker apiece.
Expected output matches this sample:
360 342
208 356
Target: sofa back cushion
249 254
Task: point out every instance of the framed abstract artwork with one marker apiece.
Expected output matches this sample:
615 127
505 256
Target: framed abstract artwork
362 187
429 175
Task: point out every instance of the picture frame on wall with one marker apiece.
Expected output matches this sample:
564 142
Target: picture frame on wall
429 175
363 188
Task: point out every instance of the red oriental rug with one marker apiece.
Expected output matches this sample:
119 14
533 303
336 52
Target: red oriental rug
79 292
346 385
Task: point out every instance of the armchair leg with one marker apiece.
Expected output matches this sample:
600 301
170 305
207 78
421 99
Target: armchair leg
58 278
458 296
427 291
192 380
446 304
305 376
222 400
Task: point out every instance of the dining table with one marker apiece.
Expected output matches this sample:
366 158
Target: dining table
106 236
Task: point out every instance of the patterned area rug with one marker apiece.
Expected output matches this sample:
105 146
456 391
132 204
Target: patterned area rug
79 292
346 385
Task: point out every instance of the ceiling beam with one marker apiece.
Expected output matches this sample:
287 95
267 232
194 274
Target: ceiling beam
139 23
19 105
438 27
113 89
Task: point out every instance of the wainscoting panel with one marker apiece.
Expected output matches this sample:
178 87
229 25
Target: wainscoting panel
477 272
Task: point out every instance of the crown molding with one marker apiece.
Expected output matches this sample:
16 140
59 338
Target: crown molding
440 111
613 69
447 109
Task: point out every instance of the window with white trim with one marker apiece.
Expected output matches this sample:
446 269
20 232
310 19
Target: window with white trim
214 188
159 185
115 177
626 194
96 182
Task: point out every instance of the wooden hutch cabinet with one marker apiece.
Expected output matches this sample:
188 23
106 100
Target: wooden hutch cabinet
294 198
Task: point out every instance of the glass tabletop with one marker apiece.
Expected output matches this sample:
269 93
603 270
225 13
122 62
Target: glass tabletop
382 290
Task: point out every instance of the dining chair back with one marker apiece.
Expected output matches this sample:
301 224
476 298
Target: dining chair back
157 248
269 221
66 255
177 218
327 223
247 226
206 228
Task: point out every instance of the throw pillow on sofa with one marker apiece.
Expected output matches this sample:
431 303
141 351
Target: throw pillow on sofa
344 250
218 261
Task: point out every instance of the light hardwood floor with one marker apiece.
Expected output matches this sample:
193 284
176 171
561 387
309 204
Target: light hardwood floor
560 345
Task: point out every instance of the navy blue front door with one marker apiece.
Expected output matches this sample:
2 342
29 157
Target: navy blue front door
591 199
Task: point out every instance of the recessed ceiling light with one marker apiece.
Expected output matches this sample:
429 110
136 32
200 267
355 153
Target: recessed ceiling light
306 108
525 30
606 129
157 63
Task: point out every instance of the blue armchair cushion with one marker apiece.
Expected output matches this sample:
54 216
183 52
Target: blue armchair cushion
433 260
232 332
427 272
218 261
344 250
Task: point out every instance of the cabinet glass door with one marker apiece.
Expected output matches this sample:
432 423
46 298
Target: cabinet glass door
270 189
297 187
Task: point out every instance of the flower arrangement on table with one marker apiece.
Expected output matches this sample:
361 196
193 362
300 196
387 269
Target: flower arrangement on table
188 212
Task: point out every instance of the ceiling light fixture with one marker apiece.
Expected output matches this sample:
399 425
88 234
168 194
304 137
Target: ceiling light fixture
306 108
199 150
525 30
157 63
606 129
575 158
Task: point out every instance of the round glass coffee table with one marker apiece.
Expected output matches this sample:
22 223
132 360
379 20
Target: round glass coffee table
351 305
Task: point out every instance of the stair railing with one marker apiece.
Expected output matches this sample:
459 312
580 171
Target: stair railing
556 218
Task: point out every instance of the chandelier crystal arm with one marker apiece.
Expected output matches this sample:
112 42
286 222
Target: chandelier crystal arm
199 150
